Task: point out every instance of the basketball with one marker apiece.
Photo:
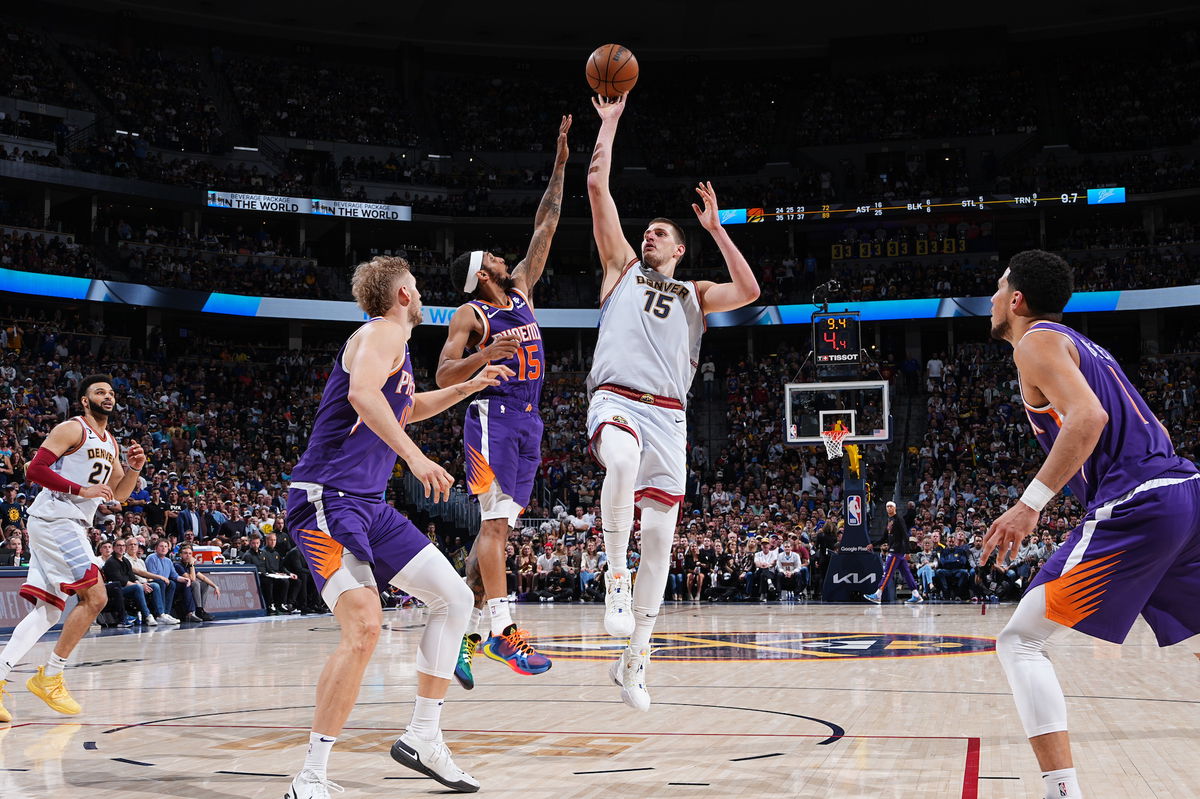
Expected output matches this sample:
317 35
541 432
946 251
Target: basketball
612 70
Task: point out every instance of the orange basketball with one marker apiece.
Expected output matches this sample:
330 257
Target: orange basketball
611 70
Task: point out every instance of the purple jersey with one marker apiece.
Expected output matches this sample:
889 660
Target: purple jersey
344 453
523 390
1134 446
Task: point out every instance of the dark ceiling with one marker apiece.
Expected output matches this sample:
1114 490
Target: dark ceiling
660 26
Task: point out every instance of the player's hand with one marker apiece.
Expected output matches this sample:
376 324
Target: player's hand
490 376
1007 532
562 151
135 456
709 216
609 109
96 492
503 346
436 480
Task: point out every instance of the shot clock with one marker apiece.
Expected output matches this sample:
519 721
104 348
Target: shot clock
835 338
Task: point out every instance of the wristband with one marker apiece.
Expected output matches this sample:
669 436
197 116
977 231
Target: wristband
1037 495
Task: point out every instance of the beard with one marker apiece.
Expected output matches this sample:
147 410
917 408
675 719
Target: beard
100 413
414 316
505 283
654 259
1000 332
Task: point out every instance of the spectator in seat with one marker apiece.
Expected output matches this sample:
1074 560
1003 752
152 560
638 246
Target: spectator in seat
926 561
766 578
788 564
589 566
200 583
160 564
13 554
266 562
157 582
118 572
954 573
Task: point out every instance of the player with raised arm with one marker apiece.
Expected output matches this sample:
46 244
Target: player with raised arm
78 466
502 432
1137 550
646 356
355 542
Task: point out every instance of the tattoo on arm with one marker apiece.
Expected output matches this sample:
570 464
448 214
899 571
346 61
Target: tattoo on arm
545 223
597 157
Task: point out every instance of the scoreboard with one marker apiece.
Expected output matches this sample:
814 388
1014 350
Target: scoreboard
836 338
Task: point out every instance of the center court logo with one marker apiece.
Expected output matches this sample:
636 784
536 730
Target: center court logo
770 645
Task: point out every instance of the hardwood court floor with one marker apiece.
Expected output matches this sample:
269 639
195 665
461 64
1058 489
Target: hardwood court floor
750 700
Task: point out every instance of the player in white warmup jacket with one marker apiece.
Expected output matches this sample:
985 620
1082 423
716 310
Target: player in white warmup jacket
646 356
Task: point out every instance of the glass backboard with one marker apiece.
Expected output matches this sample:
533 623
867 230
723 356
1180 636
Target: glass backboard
861 406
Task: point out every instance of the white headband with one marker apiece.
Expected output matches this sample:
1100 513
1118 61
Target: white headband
473 267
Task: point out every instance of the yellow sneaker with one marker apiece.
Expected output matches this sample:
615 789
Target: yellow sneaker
5 716
52 691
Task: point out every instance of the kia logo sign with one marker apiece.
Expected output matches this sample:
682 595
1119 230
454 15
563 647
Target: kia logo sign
857 579
854 510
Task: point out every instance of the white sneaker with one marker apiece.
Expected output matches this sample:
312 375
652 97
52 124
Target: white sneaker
151 621
876 597
618 605
629 672
167 618
432 759
309 785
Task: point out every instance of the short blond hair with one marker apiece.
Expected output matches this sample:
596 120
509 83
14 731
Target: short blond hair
374 283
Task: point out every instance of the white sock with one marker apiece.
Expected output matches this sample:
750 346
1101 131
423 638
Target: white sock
27 633
1062 783
319 747
476 618
500 614
55 665
643 626
426 718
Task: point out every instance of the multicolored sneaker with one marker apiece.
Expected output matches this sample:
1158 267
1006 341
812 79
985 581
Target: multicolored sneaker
466 654
512 647
5 716
52 691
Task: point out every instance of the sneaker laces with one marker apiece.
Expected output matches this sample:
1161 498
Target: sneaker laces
467 650
324 782
56 687
518 640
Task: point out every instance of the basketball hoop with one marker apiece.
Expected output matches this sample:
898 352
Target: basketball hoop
833 441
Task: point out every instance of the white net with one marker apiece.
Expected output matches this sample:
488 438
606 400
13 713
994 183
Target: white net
833 442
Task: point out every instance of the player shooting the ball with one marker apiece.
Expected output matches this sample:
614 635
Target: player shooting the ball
646 355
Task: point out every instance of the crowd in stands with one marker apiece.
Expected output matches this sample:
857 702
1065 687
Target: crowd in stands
305 100
1141 108
128 156
29 71
173 98
157 93
224 422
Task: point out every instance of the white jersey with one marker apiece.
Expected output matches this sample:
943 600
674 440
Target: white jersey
90 463
650 329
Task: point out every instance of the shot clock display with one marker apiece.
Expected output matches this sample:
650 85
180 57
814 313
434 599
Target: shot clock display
835 338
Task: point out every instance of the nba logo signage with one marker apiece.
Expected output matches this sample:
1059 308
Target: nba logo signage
854 510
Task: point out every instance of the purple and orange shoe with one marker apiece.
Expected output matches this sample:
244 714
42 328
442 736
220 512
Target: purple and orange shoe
512 648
